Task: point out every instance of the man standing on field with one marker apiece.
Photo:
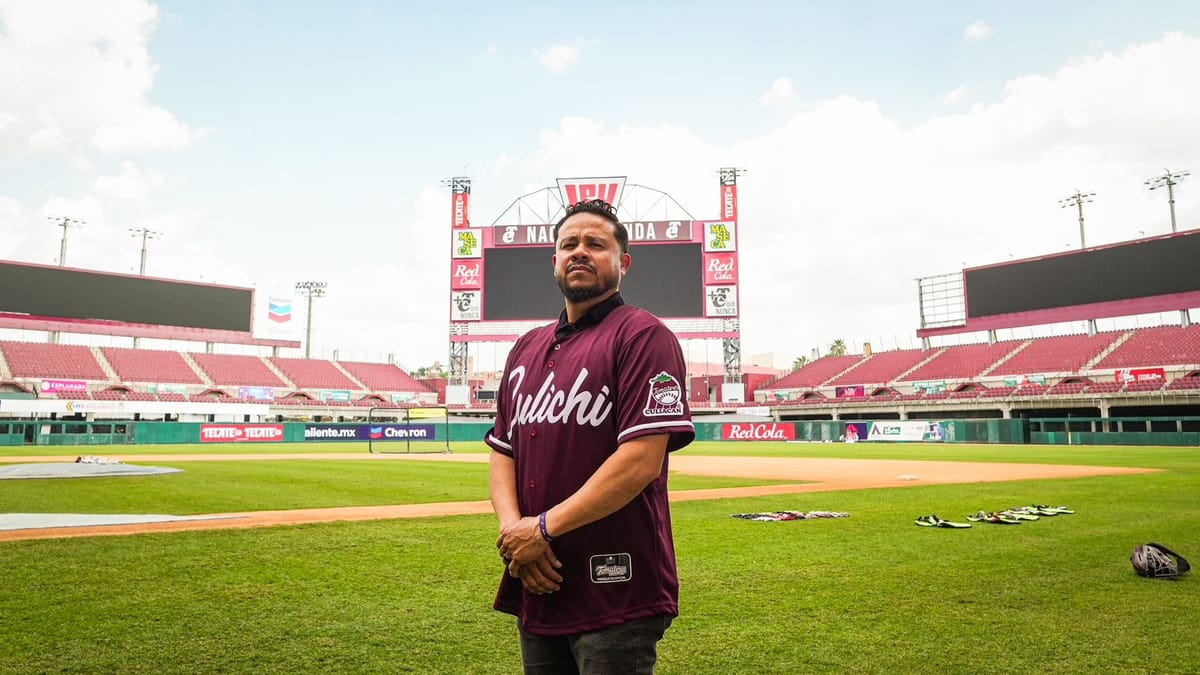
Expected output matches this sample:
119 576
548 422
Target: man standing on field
587 412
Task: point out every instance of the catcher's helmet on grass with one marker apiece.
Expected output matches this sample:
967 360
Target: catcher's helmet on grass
1155 561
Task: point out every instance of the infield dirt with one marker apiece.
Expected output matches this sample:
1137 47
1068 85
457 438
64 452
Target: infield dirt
819 475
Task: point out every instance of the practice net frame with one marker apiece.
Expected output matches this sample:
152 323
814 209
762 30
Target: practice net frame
408 430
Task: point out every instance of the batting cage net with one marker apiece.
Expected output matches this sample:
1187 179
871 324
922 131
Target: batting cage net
408 430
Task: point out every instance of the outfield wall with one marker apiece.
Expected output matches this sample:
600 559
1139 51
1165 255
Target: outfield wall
1066 431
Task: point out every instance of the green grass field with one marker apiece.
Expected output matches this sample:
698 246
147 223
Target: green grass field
870 593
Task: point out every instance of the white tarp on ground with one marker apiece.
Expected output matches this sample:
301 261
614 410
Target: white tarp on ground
80 470
32 521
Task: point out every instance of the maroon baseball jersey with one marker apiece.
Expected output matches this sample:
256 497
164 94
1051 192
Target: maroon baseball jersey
570 395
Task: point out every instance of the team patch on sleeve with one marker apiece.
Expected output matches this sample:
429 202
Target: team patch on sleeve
665 396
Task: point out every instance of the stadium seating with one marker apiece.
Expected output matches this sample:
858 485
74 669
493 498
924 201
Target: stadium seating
383 376
1143 385
961 361
39 359
1061 354
1103 387
237 370
998 392
1065 387
1185 384
314 374
1158 346
816 373
148 365
1030 389
882 367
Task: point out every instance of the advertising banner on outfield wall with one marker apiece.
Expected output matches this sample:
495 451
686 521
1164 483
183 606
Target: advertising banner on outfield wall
241 433
906 430
758 431
374 432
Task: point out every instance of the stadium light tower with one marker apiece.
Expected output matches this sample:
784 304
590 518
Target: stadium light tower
1168 180
64 223
310 290
1077 200
144 234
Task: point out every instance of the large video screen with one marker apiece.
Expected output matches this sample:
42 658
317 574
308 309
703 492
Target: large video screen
1139 269
666 279
80 294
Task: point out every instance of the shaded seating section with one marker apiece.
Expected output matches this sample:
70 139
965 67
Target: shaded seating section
883 367
1104 387
816 373
383 376
148 365
40 359
1185 383
998 392
1159 346
1062 354
313 374
1030 389
969 392
1068 387
962 361
236 369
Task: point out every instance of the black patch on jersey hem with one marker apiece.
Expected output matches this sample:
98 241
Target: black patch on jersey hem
611 568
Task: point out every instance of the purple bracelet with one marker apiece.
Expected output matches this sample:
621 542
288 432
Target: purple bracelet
542 526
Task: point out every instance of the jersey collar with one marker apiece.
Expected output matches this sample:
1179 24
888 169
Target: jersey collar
594 316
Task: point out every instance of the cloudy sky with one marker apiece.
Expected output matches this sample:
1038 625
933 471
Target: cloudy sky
273 142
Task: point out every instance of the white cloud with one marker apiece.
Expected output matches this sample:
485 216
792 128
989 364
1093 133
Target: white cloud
560 57
132 185
781 91
77 75
956 96
843 207
978 30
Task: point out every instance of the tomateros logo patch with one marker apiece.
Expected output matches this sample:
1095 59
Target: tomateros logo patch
664 396
611 568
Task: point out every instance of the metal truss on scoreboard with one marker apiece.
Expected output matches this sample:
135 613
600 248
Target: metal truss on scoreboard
638 203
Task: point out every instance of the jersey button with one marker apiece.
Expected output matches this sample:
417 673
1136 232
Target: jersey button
533 432
550 365
557 347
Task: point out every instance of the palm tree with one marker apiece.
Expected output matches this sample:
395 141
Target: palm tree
800 362
838 348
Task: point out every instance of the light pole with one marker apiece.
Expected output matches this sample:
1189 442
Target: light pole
64 223
310 289
144 234
1168 180
1077 200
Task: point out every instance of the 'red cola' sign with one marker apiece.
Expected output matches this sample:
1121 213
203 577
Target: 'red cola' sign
758 431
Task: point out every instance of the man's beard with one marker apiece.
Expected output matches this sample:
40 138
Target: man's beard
584 293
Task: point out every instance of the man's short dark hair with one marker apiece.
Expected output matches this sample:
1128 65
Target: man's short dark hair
604 210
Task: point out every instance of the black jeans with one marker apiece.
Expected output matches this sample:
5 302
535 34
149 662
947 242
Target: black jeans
630 648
